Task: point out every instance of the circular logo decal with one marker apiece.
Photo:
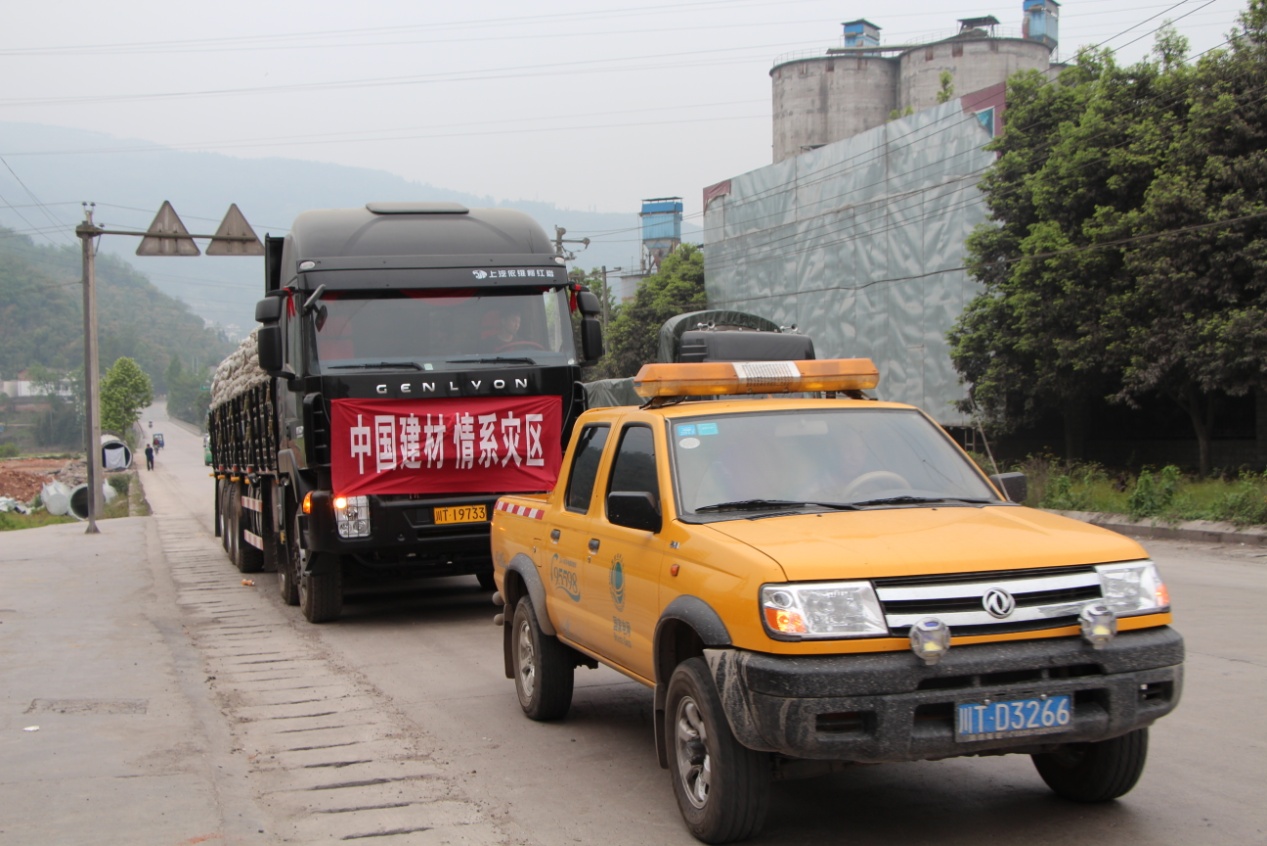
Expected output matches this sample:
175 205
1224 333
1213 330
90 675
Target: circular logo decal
998 603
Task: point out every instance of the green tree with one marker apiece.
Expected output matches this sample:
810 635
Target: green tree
125 392
1195 328
633 335
1036 339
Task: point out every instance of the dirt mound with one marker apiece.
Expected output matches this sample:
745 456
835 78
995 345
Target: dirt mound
22 478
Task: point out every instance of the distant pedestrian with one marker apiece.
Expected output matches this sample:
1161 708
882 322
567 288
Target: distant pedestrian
149 456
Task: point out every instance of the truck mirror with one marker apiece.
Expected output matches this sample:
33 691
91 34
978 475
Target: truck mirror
268 310
269 346
588 303
634 510
1014 485
591 339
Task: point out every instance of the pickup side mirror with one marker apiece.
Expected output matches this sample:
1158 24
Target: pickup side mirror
268 341
634 510
1014 485
591 339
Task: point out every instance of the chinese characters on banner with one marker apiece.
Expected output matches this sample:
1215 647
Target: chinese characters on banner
447 445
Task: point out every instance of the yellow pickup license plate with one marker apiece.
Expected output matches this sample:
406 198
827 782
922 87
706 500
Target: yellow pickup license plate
461 514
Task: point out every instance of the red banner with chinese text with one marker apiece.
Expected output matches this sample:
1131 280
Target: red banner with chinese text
446 445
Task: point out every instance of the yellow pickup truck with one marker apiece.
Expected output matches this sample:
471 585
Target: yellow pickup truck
806 576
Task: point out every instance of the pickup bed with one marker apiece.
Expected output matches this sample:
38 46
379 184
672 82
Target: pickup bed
809 577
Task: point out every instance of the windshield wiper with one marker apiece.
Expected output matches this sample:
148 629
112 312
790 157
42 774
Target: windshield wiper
765 504
409 365
491 359
906 499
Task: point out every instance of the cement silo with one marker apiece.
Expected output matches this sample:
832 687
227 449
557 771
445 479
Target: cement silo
822 98
978 57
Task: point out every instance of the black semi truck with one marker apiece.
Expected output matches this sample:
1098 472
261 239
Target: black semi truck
413 362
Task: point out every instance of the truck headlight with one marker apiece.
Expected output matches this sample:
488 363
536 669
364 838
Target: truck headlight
352 516
1134 588
822 610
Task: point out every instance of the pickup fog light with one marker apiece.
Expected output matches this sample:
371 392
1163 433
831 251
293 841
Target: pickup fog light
352 516
822 610
1134 588
1099 624
930 639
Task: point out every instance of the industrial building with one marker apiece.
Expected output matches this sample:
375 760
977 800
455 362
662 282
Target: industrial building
855 234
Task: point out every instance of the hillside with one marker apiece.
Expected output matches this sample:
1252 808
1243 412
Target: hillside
129 180
41 315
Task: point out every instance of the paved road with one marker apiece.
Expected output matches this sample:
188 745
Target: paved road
397 725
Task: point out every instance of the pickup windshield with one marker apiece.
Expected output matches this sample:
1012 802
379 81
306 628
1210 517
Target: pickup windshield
735 465
429 328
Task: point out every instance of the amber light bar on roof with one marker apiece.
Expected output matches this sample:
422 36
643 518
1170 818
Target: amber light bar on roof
722 378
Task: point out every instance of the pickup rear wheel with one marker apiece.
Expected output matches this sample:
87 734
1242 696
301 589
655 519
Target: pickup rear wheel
722 788
1095 772
543 672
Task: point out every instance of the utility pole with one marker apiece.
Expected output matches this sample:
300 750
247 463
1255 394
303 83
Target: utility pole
607 293
559 241
92 419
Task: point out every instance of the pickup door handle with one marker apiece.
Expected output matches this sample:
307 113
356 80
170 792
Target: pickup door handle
593 544
554 534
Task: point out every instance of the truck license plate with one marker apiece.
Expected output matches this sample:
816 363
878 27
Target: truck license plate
461 514
1013 718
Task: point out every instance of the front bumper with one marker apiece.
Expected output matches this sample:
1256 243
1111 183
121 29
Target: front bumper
404 539
880 707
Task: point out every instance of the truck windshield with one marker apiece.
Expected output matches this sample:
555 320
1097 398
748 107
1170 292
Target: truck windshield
846 458
433 327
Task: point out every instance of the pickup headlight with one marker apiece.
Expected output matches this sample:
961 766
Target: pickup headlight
822 610
1134 588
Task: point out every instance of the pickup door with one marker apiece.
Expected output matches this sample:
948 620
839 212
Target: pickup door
615 613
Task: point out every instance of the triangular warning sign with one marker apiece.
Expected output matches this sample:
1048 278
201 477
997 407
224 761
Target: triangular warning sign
228 238
167 236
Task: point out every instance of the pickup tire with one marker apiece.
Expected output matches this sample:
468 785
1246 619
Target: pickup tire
722 788
543 672
321 594
1095 772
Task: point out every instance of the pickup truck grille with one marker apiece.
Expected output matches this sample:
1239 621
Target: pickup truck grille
1043 599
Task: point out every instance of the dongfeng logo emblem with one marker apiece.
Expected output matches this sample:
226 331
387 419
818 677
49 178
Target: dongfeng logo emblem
999 603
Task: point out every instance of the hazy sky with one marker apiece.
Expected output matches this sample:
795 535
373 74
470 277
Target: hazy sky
590 105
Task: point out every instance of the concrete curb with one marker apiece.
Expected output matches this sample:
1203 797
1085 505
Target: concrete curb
1201 531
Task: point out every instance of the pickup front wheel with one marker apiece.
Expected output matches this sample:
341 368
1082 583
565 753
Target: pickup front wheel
543 673
1095 772
721 787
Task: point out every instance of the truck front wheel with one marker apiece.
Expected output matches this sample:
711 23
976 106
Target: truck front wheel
1095 772
543 673
321 594
722 788
292 563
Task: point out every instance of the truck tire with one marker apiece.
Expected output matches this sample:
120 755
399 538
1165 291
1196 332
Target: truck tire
230 528
544 675
321 594
721 787
246 558
291 562
1095 772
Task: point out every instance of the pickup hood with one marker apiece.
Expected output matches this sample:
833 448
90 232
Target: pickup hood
916 541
